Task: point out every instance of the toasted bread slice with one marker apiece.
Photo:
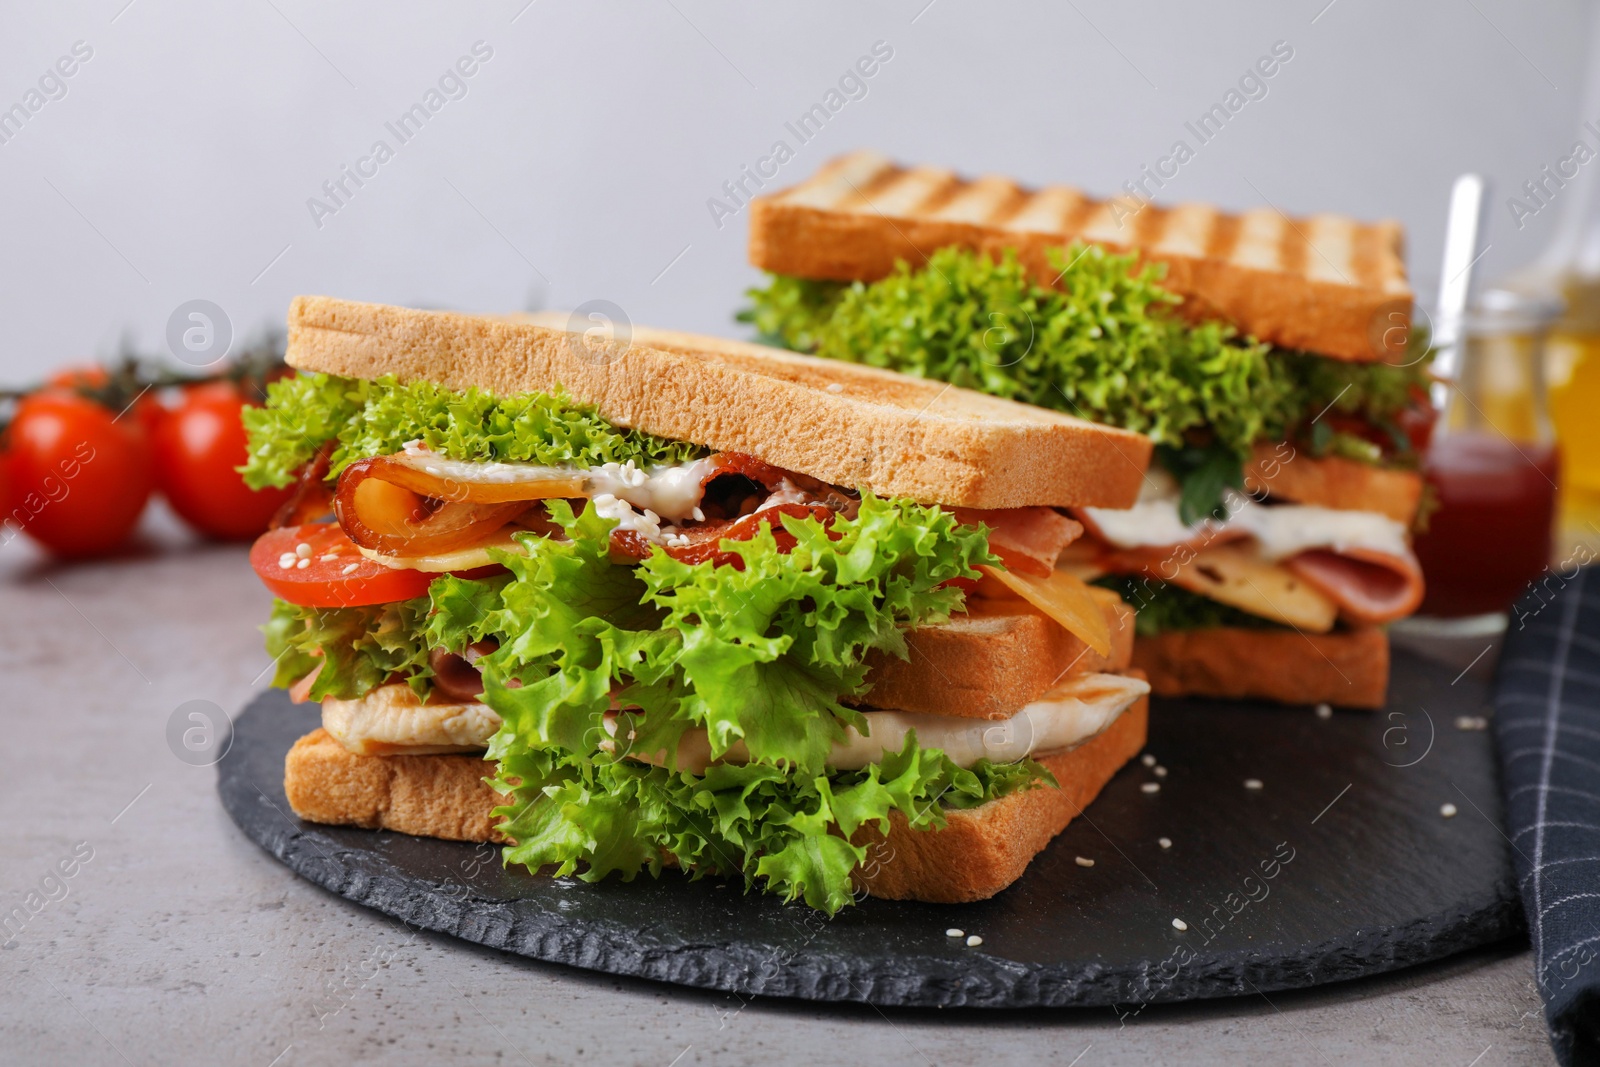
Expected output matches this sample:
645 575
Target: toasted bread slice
850 425
1324 284
426 796
991 661
1333 482
979 853
1349 668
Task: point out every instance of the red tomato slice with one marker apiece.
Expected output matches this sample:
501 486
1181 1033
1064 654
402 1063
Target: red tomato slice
334 573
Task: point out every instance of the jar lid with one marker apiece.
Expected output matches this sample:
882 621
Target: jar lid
1505 311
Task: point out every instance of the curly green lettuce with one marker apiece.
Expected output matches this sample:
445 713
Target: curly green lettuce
791 834
1102 342
374 418
358 649
759 654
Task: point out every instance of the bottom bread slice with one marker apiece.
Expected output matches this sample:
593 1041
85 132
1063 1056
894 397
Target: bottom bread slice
1349 668
977 854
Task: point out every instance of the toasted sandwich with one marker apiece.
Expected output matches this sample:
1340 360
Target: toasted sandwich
674 601
1271 359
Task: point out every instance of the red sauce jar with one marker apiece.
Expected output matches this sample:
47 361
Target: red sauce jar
1493 467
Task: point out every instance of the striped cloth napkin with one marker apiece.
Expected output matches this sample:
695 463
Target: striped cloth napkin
1547 727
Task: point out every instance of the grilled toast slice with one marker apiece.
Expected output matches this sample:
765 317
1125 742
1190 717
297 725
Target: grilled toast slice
1324 284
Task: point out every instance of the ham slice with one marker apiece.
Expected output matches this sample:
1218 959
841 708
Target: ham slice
1369 586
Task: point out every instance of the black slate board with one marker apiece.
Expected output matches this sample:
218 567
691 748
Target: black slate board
1376 878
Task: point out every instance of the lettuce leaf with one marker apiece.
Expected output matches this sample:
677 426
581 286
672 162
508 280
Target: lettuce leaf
760 653
787 833
358 648
374 418
1103 343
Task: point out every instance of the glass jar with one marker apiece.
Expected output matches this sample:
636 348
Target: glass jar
1493 467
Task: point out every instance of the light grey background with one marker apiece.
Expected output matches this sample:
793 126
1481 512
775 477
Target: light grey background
579 163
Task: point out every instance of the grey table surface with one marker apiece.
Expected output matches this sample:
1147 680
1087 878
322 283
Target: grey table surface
181 942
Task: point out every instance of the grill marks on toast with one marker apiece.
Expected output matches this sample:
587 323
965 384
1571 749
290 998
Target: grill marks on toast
1319 283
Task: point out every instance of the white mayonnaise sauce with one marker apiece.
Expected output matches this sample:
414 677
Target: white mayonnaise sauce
1280 530
639 497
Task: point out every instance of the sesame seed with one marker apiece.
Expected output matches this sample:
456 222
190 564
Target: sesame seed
1085 861
286 562
953 932
974 941
1252 783
1151 787
1164 842
1179 925
302 550
302 564
1148 760
1448 811
1159 771
1324 711
329 558
699 516
835 387
349 568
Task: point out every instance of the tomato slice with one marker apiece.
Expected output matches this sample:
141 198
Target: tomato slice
329 571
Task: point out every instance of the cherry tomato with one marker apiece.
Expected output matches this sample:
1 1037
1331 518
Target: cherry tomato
80 476
330 571
197 446
5 487
87 376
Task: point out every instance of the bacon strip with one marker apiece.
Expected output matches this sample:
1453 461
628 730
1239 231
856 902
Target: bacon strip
1027 540
705 538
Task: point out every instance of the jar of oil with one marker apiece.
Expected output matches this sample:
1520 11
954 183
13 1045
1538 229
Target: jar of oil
1572 372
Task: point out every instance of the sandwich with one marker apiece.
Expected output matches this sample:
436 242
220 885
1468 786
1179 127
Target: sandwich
1271 360
624 605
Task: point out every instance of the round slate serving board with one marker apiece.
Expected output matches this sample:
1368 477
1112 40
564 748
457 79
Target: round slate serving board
1339 866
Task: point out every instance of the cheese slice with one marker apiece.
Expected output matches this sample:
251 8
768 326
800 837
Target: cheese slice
462 559
1235 574
1063 597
